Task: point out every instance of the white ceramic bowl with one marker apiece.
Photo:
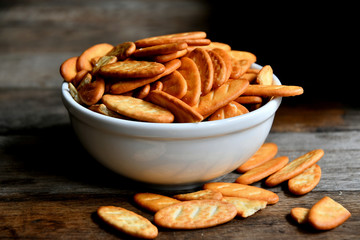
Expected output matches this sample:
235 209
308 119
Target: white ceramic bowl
171 155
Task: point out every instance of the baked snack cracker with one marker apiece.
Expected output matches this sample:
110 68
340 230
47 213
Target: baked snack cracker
221 96
123 50
295 167
219 66
98 50
232 109
68 69
160 49
245 207
205 67
169 38
327 214
190 72
153 202
273 90
266 152
265 76
183 113
137 109
244 191
126 85
262 171
199 195
195 214
132 69
174 84
306 181
128 222
92 92
299 214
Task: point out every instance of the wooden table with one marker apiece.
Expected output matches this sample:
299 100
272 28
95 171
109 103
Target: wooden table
50 187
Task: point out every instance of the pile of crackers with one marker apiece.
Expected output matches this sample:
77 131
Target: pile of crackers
220 202
182 77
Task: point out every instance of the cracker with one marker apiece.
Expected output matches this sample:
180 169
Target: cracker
195 214
300 215
232 109
241 62
327 214
153 202
262 171
212 45
132 69
249 100
98 50
221 96
137 109
126 85
191 75
245 207
199 195
205 67
102 61
128 222
92 92
266 152
250 76
306 181
169 38
101 108
68 69
219 67
273 90
227 60
183 113
295 167
244 191
168 57
79 77
142 92
160 49
265 76
174 84
123 50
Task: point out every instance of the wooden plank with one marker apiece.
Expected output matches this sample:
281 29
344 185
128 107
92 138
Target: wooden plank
74 216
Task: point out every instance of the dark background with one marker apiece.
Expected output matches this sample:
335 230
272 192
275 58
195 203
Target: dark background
307 44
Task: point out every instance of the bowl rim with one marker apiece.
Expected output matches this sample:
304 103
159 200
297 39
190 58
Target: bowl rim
170 130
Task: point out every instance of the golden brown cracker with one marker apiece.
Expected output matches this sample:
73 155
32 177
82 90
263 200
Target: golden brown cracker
102 61
273 90
169 38
221 96
132 69
68 69
137 109
249 100
191 75
199 195
219 67
160 49
232 109
128 222
299 214
244 191
153 202
306 181
327 214
174 84
123 50
241 62
101 108
245 207
183 113
227 60
168 57
195 214
205 67
295 167
126 85
262 171
265 76
98 50
142 92
92 92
